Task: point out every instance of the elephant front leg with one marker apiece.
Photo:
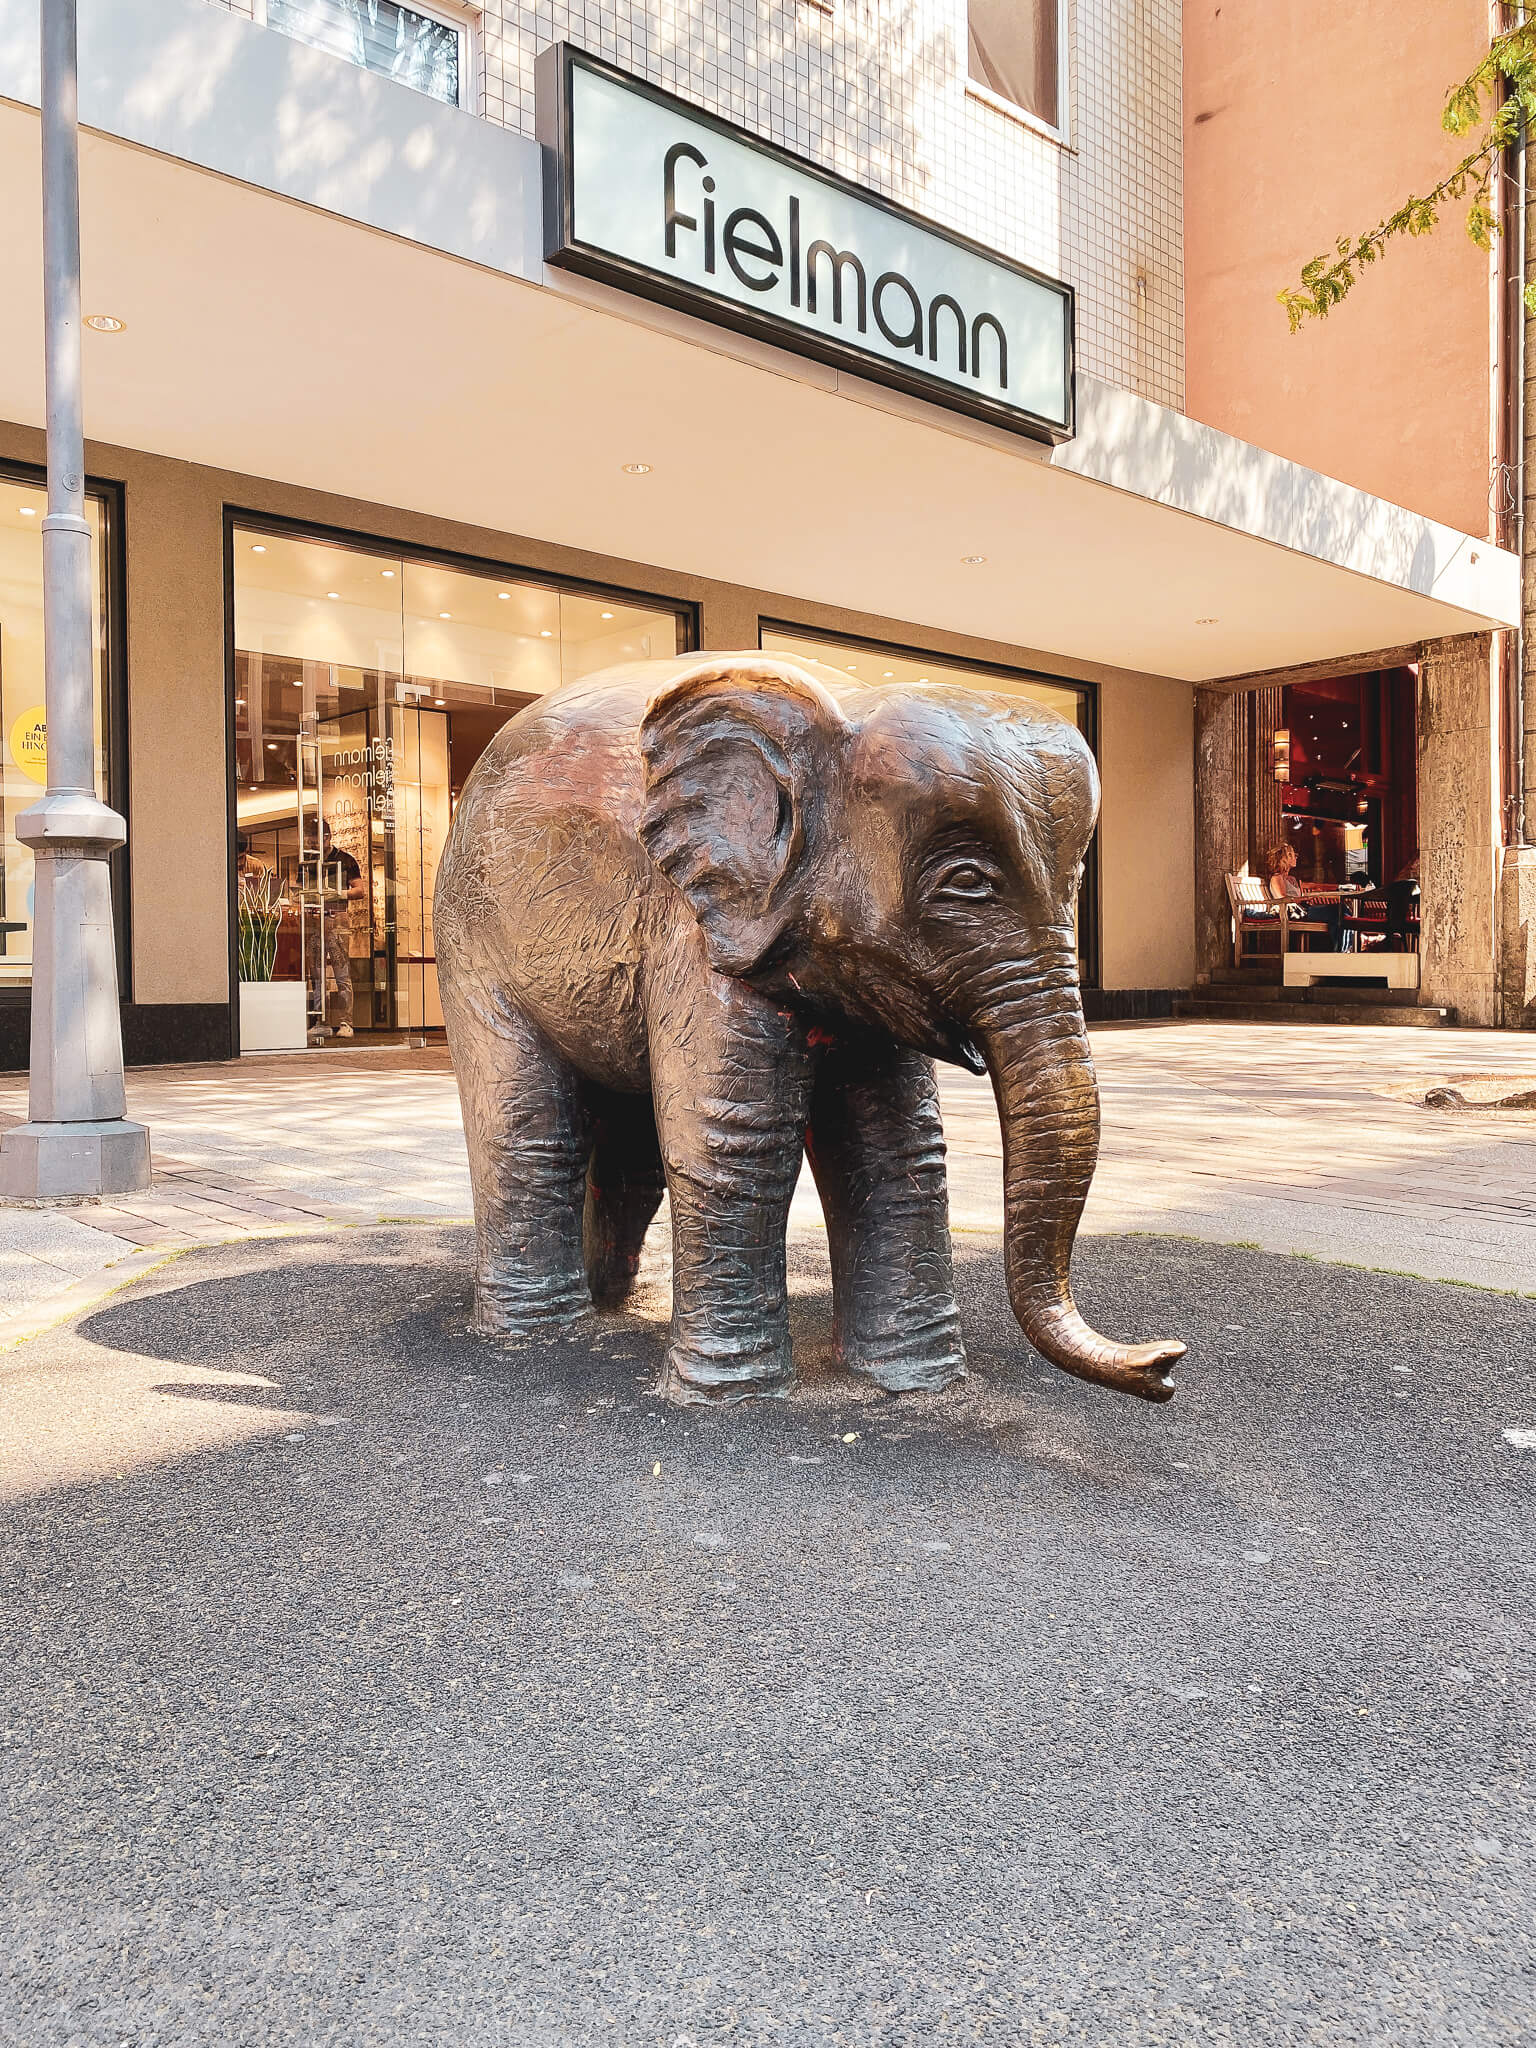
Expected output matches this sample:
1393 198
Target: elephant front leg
731 1077
529 1137
877 1149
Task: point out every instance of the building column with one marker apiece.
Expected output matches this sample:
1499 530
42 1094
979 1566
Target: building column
1517 939
1266 826
1222 783
1459 836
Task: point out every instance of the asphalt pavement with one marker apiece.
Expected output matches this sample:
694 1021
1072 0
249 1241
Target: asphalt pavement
363 1684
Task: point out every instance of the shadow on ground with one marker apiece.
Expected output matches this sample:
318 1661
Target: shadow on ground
367 1685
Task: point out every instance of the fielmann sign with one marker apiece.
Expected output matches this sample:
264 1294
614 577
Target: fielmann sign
649 193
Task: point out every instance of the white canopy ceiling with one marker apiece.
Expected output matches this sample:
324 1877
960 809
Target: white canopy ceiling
293 341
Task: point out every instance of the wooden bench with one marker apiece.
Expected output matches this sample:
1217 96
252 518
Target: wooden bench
1254 912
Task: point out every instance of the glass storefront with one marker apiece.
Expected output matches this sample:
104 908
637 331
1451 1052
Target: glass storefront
23 734
869 662
367 685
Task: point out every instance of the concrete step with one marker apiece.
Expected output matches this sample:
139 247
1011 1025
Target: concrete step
1423 1017
1249 976
1341 994
1246 992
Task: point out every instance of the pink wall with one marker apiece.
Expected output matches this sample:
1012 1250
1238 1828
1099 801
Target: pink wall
1304 120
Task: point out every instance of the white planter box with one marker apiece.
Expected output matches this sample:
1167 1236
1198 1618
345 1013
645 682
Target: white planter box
273 1016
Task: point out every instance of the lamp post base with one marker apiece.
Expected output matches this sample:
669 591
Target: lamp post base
62 1162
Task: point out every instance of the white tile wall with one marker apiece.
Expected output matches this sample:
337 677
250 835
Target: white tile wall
876 89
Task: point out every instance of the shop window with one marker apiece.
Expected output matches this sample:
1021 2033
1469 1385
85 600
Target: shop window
1336 770
864 661
1013 51
367 686
409 44
23 733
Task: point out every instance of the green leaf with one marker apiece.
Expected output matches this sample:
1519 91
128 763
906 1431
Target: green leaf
1489 106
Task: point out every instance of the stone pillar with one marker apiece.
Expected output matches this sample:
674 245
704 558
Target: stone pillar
1517 939
1264 831
1222 780
1459 836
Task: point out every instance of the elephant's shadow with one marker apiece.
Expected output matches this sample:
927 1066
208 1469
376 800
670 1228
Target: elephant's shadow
395 1305
373 1328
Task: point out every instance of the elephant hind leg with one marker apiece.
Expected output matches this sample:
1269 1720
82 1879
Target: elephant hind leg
625 1184
529 1135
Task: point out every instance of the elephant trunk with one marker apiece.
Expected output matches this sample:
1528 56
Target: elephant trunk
1032 1033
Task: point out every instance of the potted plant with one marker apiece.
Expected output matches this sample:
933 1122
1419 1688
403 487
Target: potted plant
273 1014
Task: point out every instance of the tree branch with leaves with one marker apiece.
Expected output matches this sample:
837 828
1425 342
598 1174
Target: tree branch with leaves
1491 106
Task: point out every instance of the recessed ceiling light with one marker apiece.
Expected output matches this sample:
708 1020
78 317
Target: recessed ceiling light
239 703
850 666
389 573
1207 622
636 468
445 615
887 672
607 615
439 700
105 323
28 511
922 679
503 594
972 561
258 549
546 633
333 593
271 746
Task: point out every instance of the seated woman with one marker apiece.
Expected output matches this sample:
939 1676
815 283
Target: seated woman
1281 886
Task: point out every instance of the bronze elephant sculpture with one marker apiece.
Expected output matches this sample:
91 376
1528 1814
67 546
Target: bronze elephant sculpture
697 918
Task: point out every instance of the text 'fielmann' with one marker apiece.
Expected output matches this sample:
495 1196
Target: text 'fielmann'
749 238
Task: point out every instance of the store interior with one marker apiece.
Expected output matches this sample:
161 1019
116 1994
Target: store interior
367 685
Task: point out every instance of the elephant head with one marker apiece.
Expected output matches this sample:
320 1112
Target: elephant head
909 858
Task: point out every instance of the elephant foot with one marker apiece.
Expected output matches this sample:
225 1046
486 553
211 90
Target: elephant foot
899 1368
516 1315
697 1377
916 1350
911 1375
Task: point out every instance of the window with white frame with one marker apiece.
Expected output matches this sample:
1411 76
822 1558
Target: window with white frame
426 50
1014 52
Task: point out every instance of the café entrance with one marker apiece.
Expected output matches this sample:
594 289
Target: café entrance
1307 850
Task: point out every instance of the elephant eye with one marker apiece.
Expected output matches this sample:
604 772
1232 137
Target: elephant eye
965 881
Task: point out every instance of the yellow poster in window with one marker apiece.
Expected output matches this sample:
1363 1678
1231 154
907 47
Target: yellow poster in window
29 743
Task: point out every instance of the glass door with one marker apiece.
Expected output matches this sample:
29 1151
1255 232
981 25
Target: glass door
419 746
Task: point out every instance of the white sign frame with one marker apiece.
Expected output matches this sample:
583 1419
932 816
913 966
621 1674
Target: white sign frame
631 178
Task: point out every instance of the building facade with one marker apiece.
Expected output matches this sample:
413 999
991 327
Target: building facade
369 471
1412 389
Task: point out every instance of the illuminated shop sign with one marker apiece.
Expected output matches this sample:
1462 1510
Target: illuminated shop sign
649 193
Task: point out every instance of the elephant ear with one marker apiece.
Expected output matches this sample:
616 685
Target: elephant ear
738 755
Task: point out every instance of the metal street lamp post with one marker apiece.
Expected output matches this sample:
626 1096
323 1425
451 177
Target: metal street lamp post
77 1141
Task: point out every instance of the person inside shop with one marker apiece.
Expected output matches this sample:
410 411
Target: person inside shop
341 880
1281 886
248 866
